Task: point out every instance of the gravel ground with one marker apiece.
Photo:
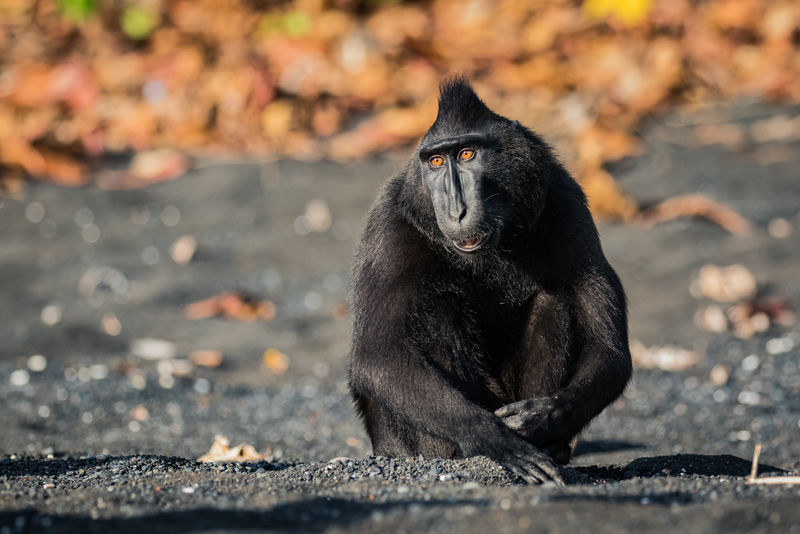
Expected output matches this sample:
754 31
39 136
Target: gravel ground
96 438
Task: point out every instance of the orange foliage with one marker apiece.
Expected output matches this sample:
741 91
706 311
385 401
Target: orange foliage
316 78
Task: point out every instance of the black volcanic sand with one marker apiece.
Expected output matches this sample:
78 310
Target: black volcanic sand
97 439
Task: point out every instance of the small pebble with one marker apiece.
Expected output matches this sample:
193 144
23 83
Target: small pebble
780 345
150 255
719 374
110 324
37 363
35 212
779 228
91 234
51 314
312 301
749 398
153 349
19 378
182 249
743 435
750 363
170 216
84 217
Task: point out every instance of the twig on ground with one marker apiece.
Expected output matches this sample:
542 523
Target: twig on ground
752 479
696 205
754 467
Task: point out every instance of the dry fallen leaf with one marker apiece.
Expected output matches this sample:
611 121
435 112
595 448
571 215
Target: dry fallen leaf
723 284
719 374
275 361
696 205
667 358
712 318
630 12
268 78
606 198
206 358
153 349
140 413
232 306
731 135
158 165
44 164
747 318
746 323
110 324
221 451
756 315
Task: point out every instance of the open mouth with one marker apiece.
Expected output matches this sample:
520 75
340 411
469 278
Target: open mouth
471 244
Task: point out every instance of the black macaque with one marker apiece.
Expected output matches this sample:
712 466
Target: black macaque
486 318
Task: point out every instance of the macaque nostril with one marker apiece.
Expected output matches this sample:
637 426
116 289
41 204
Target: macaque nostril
457 214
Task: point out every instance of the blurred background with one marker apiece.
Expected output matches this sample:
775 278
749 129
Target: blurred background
182 184
342 79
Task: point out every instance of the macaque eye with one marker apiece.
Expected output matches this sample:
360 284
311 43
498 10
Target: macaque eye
466 154
436 161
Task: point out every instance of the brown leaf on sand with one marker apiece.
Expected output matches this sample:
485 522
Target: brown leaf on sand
158 165
667 358
730 135
597 144
221 451
11 184
368 137
270 78
146 168
275 361
63 170
711 318
746 318
51 166
746 321
606 197
232 306
758 314
723 284
206 358
696 205
19 153
70 82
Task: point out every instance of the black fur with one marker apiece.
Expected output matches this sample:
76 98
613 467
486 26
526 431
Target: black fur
505 351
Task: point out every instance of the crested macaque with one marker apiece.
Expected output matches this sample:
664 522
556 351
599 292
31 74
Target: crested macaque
487 320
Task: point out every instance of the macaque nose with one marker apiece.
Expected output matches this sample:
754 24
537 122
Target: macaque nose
457 213
457 208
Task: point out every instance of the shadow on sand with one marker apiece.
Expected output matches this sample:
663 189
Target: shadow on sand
308 515
675 465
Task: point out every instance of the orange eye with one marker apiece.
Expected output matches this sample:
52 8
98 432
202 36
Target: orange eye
466 154
436 161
